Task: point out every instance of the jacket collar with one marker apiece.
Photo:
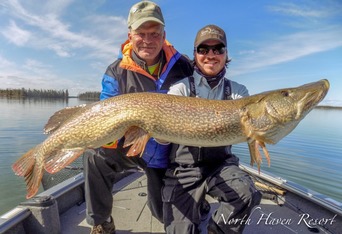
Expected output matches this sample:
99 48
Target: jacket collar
142 63
131 61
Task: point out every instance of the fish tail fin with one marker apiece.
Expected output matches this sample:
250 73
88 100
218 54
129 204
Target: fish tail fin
27 167
25 163
33 180
137 138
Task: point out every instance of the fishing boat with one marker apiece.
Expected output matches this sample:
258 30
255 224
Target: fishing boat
286 207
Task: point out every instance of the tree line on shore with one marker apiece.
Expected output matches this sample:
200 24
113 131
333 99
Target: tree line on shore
43 93
89 96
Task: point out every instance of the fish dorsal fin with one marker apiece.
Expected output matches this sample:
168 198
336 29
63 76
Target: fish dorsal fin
62 158
59 117
137 137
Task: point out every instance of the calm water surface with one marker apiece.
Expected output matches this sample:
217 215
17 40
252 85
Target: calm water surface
21 128
310 155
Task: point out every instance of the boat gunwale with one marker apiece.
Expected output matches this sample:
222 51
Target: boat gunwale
313 196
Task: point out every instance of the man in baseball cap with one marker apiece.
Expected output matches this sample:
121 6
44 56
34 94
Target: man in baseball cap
148 62
199 171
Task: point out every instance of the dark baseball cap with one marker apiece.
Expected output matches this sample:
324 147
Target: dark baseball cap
210 32
142 12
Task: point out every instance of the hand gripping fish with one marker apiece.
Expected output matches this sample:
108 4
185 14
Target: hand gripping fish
258 119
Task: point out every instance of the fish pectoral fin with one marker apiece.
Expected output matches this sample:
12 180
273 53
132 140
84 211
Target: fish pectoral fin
254 153
264 149
137 138
62 158
256 157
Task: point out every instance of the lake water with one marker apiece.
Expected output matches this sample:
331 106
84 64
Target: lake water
310 155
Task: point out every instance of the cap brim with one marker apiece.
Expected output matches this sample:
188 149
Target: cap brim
201 42
138 23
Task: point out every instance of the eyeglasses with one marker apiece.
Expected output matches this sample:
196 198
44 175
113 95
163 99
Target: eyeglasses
217 49
153 35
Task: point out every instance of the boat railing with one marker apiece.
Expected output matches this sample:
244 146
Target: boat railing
315 197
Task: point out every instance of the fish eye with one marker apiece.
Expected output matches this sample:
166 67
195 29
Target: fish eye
285 93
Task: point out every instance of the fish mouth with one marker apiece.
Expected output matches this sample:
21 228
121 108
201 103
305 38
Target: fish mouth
313 97
319 94
310 100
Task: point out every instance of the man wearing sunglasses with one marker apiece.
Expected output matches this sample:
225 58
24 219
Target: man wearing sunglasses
197 171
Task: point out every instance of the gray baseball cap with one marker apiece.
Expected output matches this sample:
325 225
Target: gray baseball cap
142 12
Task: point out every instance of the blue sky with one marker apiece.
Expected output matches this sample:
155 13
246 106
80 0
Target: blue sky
67 44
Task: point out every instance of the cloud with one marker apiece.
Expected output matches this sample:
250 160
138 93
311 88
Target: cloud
91 39
34 74
287 48
36 67
5 64
16 35
307 10
246 52
85 36
97 36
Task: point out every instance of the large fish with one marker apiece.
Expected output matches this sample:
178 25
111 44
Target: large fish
258 119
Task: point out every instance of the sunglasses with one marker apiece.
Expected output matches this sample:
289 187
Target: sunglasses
217 49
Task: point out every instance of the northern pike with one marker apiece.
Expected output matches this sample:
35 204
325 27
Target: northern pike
258 119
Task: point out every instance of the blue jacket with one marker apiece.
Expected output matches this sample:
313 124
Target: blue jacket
128 75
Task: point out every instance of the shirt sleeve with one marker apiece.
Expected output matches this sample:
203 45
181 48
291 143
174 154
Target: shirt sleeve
110 87
180 88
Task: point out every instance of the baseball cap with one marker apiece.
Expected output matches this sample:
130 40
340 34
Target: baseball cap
210 32
142 12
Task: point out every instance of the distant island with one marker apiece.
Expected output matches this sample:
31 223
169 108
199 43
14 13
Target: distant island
329 107
46 93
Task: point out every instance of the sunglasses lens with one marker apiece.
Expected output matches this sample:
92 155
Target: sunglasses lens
202 50
217 49
220 50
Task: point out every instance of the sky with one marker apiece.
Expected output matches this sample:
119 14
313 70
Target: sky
68 44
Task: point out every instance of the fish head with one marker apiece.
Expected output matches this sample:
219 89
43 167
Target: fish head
272 115
295 103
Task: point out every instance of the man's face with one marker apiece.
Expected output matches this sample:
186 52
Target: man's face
210 57
147 41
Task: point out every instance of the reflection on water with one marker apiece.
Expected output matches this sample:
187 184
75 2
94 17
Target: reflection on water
310 155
